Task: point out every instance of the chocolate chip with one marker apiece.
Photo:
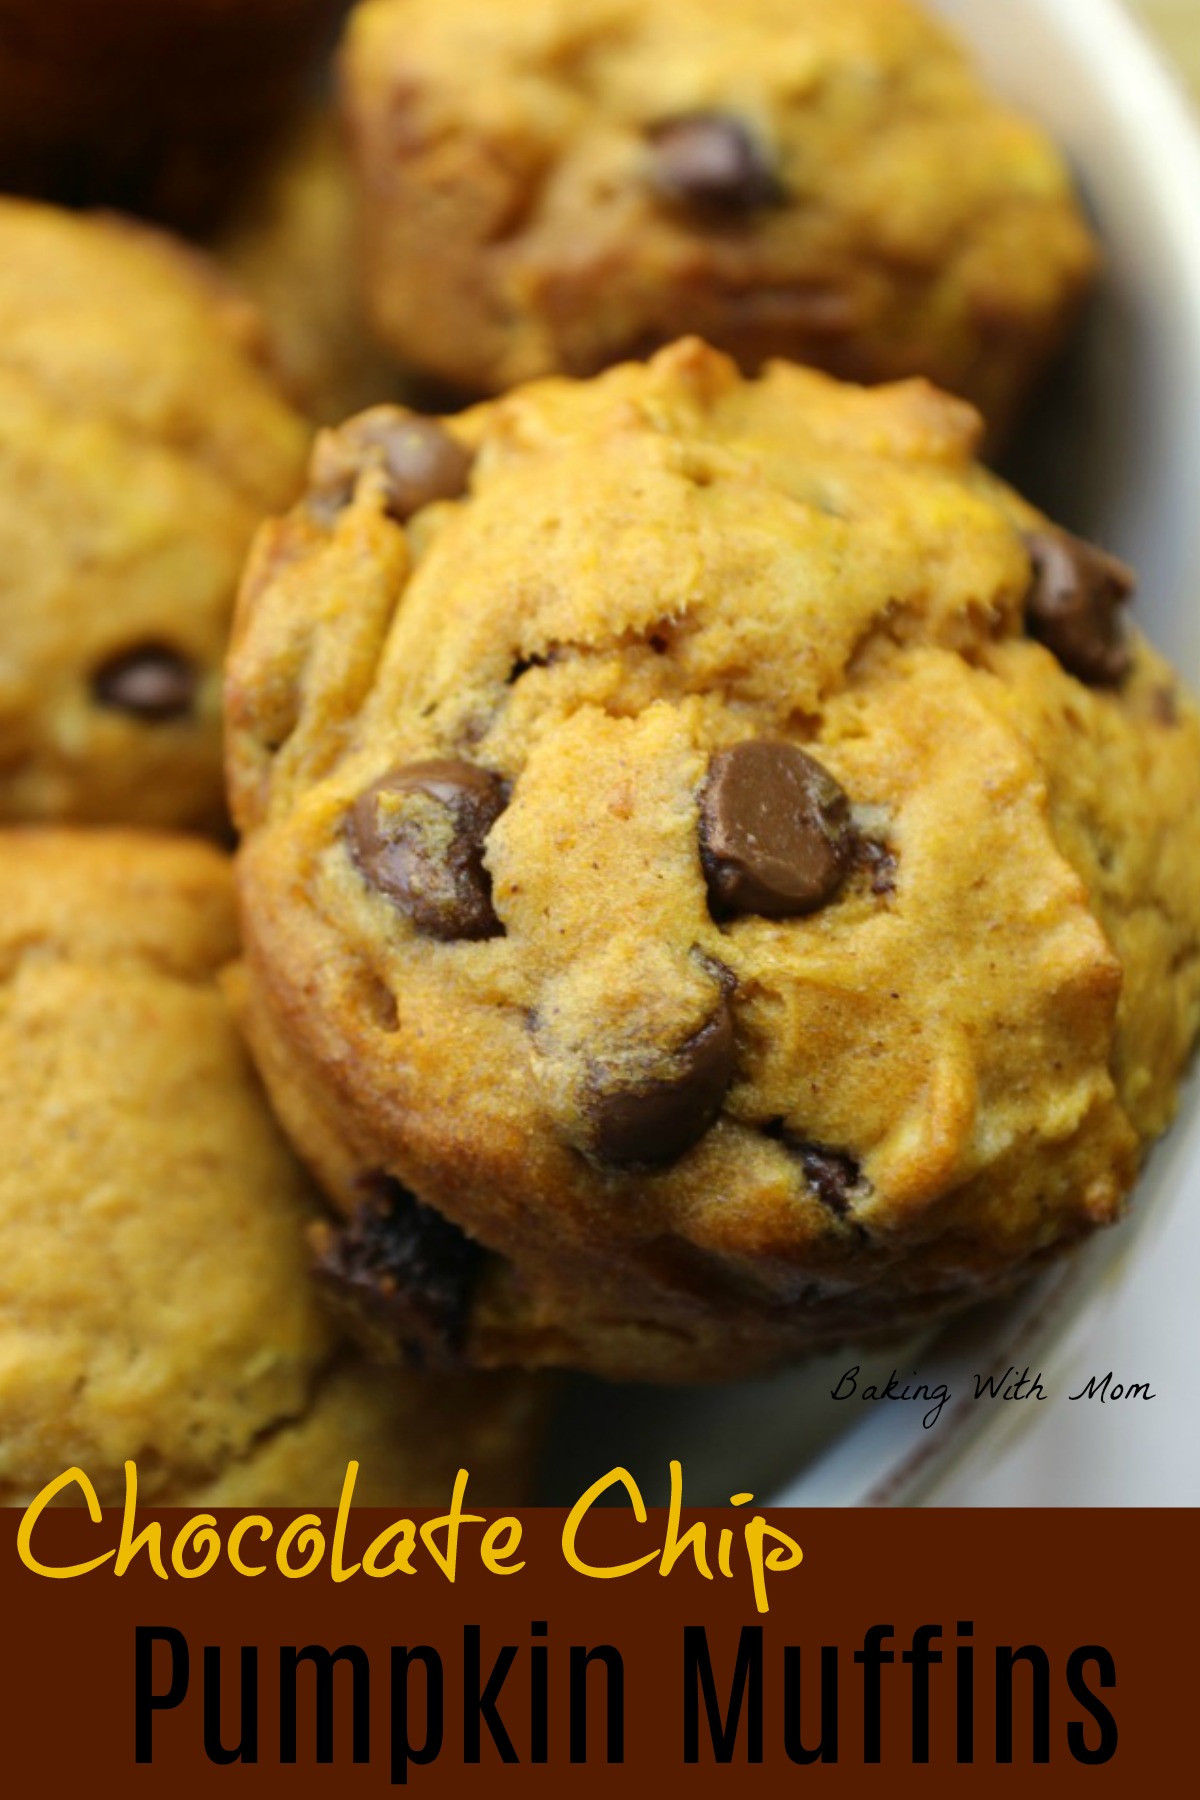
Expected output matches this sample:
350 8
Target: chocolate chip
1074 606
400 1274
418 836
879 864
834 1176
709 160
152 682
775 831
655 1122
418 459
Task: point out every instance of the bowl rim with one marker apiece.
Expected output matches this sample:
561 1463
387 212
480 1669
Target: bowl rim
876 1462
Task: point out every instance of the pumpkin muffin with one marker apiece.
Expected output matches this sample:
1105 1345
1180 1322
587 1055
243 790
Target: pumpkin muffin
718 860
142 440
155 1299
553 185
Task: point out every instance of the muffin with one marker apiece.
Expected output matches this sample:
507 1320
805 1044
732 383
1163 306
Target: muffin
156 106
155 1301
717 851
553 185
292 246
142 440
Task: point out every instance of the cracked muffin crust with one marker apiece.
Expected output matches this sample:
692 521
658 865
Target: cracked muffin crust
142 439
553 185
155 1301
717 847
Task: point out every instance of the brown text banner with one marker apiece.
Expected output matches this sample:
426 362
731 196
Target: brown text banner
1049 1650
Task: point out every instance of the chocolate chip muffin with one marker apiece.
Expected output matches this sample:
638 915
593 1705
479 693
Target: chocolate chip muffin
292 246
155 1300
552 185
156 106
142 439
721 856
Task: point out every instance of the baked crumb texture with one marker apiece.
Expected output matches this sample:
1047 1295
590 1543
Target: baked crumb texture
142 439
714 1076
549 186
155 1296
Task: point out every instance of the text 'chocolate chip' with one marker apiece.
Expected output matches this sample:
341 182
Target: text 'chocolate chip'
655 1122
152 682
418 836
1075 606
775 831
401 1275
419 460
710 160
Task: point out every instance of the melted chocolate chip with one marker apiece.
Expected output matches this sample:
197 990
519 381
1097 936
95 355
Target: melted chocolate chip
400 1274
420 462
418 836
710 161
657 1121
1074 606
879 863
834 1176
775 831
152 682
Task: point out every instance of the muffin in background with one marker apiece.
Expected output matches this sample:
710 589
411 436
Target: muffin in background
159 107
142 439
292 246
714 857
554 185
156 1301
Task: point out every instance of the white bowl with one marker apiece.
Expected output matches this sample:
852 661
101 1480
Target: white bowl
1114 451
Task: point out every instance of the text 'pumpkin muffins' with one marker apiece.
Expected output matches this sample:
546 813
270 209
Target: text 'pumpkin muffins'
549 186
142 440
155 1297
714 845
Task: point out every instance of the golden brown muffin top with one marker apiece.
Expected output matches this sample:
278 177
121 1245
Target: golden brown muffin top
155 1294
589 178
508 922
142 438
